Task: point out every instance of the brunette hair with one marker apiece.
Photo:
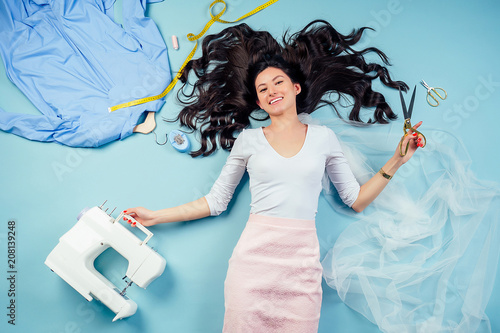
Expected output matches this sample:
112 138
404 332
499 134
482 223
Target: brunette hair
221 100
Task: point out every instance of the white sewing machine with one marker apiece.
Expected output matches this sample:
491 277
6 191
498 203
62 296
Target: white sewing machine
73 259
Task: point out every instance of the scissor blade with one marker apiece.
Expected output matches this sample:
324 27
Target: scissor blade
403 105
410 109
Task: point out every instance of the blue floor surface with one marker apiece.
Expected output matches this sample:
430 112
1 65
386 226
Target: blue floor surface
43 186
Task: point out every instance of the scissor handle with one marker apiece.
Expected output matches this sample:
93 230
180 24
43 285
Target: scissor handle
439 95
430 101
401 153
435 91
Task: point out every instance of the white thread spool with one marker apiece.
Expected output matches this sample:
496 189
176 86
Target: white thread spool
175 42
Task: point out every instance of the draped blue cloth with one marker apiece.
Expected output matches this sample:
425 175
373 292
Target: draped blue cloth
73 61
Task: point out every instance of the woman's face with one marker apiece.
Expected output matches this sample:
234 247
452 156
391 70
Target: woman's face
276 93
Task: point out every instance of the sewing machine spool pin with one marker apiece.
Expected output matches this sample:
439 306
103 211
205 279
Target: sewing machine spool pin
112 211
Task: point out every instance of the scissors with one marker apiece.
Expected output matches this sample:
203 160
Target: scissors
407 124
433 93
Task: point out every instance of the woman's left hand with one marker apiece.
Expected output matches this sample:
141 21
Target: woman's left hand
414 140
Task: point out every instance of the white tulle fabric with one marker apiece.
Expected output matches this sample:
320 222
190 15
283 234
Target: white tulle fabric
423 256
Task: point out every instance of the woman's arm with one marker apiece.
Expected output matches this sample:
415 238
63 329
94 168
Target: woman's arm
214 203
190 211
372 188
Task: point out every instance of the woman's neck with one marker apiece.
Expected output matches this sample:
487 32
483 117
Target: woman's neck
285 122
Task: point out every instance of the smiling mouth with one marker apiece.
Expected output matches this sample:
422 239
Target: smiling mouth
275 100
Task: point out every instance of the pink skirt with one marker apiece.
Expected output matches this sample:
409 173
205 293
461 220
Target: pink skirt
273 282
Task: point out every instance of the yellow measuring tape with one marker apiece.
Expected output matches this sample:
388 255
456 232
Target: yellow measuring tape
191 37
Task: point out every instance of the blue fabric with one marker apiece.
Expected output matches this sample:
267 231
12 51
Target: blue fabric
73 61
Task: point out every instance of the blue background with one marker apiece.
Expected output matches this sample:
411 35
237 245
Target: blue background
43 186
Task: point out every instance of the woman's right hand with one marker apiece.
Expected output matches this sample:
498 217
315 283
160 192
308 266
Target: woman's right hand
142 215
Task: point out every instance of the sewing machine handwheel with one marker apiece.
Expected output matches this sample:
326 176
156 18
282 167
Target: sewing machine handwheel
86 209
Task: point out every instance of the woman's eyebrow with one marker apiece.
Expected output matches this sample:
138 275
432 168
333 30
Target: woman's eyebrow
274 79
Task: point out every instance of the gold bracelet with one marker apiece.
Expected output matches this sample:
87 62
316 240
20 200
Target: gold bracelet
386 176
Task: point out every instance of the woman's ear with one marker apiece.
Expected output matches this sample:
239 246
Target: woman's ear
298 88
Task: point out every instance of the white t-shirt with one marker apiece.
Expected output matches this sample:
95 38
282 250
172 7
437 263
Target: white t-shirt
280 186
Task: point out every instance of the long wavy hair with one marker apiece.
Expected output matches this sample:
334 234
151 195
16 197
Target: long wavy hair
222 98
